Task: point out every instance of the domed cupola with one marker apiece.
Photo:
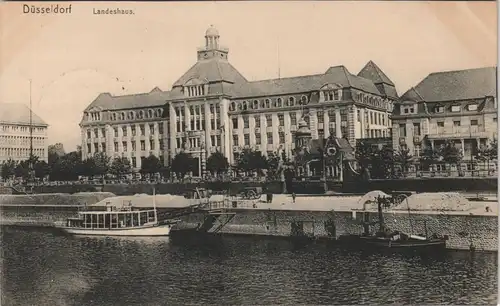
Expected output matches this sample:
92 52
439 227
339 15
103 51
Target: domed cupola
212 38
303 136
303 129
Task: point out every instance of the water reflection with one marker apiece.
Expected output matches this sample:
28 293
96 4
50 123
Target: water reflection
41 268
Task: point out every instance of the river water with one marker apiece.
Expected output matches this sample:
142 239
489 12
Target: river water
41 267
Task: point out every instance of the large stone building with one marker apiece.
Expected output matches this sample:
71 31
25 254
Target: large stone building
212 107
15 138
460 106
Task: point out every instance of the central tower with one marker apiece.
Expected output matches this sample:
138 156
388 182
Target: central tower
212 48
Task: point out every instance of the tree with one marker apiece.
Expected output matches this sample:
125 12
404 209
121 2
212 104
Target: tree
22 170
151 165
120 166
217 163
182 164
450 153
42 169
8 169
364 154
493 150
403 158
429 157
97 165
67 167
273 166
250 160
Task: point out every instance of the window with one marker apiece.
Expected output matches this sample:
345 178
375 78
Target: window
246 123
143 129
124 145
303 100
103 132
472 107
319 114
416 129
133 130
115 130
257 139
96 133
134 163
281 119
456 123
269 120
134 146
151 144
279 102
293 118
235 123
212 124
473 122
257 121
103 146
246 139
96 147
440 109
235 140
160 128
402 130
89 148
116 146
455 108
336 95
281 137
269 138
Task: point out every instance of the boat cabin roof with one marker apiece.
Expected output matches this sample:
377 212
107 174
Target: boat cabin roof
105 212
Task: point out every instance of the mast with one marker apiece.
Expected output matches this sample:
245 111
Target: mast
31 137
154 205
380 215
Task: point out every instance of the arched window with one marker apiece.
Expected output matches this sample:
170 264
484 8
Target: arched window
240 106
232 107
275 103
140 115
268 103
255 104
159 112
245 106
280 102
291 101
150 113
262 104
304 100
130 115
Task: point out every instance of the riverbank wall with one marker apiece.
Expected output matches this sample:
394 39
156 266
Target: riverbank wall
463 230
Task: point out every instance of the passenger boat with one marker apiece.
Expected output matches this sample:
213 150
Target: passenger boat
393 240
114 221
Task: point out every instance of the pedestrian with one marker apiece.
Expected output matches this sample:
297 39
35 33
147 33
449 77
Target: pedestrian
293 196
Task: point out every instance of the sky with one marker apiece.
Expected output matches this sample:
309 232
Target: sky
72 58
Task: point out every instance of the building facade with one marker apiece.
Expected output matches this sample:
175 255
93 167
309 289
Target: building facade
15 138
460 106
212 107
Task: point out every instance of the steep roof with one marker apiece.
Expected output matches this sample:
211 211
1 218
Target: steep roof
457 85
213 70
338 75
412 95
372 72
106 101
14 113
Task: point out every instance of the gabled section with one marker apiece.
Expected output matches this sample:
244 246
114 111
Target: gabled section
412 95
372 72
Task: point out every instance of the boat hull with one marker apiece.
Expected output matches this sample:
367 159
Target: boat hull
150 231
360 242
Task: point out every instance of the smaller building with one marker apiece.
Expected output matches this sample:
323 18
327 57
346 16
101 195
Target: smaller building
15 138
459 106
